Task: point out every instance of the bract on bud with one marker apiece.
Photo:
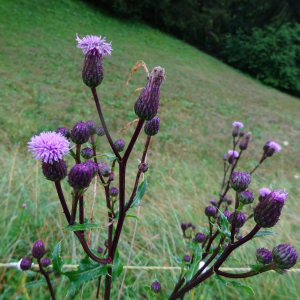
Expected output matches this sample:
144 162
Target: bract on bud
80 133
240 219
55 171
268 211
147 103
244 143
38 249
213 202
114 192
210 211
93 167
186 258
120 145
46 262
87 153
245 197
263 256
80 176
104 169
100 131
285 256
199 237
143 167
151 128
63 131
184 226
25 264
239 181
156 287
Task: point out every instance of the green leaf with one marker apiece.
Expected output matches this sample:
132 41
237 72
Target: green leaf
57 262
255 267
220 280
131 292
29 273
225 233
72 153
217 193
204 229
132 216
176 258
150 292
195 265
110 156
248 289
118 267
37 283
224 225
263 233
84 226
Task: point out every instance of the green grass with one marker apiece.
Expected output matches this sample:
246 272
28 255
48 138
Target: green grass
41 89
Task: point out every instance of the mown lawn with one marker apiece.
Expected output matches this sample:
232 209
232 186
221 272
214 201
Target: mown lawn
41 89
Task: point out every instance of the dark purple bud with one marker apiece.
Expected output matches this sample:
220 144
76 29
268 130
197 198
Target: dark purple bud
239 237
226 213
151 127
186 258
235 131
242 133
80 133
80 176
231 159
100 250
210 211
199 237
64 132
147 103
268 211
245 197
93 167
240 220
92 127
266 146
143 167
120 145
100 131
50 271
239 181
56 171
156 287
25 264
224 246
272 148
229 201
104 169
38 249
92 72
285 256
213 202
184 226
244 143
193 226
190 224
263 256
114 192
111 176
236 231
46 262
87 153
225 157
106 243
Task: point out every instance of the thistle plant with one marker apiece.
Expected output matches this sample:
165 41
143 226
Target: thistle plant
207 250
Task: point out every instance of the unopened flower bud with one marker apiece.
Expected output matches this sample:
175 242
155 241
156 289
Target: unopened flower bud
184 226
210 211
266 146
80 176
63 131
239 237
147 103
93 167
240 219
239 181
114 192
186 258
100 250
244 143
87 153
100 131
213 202
120 145
245 197
25 264
24 205
80 133
285 256
38 249
111 176
229 201
151 128
226 213
190 224
104 169
55 171
46 262
156 287
225 157
143 167
268 211
193 226
236 231
235 131
92 127
106 243
242 133
199 237
263 256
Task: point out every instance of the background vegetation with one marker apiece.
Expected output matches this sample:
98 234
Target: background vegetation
41 89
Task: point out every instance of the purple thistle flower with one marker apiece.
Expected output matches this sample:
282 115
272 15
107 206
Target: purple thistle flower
80 176
271 147
63 131
233 153
143 167
55 171
38 249
184 226
239 237
120 145
190 224
46 262
104 169
92 127
237 124
263 193
80 133
268 211
49 146
275 146
285 256
100 250
93 45
229 201
24 205
114 192
100 131
87 153
244 143
224 157
264 256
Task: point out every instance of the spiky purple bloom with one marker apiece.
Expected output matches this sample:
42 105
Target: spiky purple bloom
210 211
268 210
100 131
93 167
55 171
100 250
114 192
93 45
245 197
187 258
120 145
104 169
240 220
80 133
244 143
239 181
264 192
25 264
92 127
285 256
49 146
46 262
237 124
272 147
213 202
264 256
156 287
38 249
184 226
143 167
151 128
234 153
199 237
87 153
24 205
80 176
63 131
147 103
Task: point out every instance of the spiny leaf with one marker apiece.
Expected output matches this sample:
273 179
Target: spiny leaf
263 233
248 289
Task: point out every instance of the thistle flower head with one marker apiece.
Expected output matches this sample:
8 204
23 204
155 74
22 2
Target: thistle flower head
100 250
184 226
63 131
213 202
114 192
285 256
187 258
229 201
80 176
24 205
120 145
80 133
94 45
239 181
233 153
143 167
92 127
264 256
244 143
245 197
49 146
271 147
275 146
237 124
264 192
100 131
104 169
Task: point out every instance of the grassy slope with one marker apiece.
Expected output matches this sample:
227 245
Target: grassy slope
41 89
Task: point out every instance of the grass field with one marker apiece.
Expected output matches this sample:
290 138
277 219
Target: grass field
41 89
